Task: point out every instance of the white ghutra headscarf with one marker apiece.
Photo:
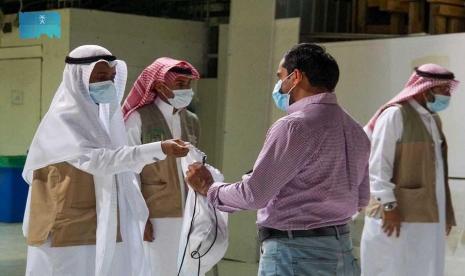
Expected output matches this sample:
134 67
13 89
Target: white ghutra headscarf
74 126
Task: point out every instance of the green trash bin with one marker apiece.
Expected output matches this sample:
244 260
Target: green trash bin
13 189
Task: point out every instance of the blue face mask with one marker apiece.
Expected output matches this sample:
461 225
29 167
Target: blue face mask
281 99
102 92
440 103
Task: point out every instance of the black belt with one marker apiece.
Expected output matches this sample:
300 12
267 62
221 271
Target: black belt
265 233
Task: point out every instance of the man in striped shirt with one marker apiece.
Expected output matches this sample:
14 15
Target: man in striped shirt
310 177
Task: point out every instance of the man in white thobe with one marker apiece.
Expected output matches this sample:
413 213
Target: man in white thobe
156 109
85 214
410 211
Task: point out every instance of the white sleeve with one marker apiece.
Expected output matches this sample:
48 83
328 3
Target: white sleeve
128 158
103 162
387 132
134 129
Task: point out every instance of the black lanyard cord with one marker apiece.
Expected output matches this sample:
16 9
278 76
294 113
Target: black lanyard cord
196 254
188 234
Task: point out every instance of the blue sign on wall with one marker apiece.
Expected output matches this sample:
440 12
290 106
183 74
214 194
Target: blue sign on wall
33 25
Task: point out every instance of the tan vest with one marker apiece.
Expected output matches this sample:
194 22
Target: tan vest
160 181
62 206
415 172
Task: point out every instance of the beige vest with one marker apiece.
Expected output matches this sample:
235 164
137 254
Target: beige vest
62 206
160 181
415 172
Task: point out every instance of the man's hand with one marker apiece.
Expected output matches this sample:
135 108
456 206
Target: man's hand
391 222
148 233
175 148
199 178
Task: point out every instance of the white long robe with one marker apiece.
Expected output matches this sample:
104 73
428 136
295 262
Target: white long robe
420 249
92 138
80 260
163 251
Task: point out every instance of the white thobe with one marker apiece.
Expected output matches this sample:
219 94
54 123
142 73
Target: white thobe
420 249
163 251
79 260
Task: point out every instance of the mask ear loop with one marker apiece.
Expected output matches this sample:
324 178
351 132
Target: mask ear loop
290 90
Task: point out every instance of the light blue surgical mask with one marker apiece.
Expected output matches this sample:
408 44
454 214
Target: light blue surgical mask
440 103
281 99
102 92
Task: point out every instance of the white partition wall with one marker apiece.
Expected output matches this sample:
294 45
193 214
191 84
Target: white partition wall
139 40
374 71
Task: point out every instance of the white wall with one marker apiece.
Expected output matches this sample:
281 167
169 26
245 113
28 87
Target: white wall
37 81
250 42
139 40
372 72
286 35
207 109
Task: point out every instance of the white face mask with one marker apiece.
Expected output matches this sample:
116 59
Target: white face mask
182 98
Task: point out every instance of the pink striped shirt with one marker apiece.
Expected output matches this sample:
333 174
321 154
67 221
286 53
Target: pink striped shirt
311 172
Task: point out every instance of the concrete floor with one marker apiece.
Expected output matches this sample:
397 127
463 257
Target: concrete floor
13 253
12 250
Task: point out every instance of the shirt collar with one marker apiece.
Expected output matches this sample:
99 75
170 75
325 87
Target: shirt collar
322 98
165 108
418 107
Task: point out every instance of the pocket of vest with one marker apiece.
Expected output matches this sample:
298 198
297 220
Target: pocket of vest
154 183
414 204
83 195
410 196
83 204
411 186
154 188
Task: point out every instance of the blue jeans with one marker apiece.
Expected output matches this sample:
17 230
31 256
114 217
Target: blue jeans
309 256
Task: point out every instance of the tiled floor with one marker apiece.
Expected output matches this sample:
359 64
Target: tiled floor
12 250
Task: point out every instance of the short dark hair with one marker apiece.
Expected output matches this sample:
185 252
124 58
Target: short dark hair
319 67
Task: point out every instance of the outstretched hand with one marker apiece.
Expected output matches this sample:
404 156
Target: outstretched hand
175 148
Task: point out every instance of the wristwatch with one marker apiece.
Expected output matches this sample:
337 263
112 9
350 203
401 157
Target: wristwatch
389 206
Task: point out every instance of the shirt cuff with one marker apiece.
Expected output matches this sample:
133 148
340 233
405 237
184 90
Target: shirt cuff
212 194
151 152
213 197
385 196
